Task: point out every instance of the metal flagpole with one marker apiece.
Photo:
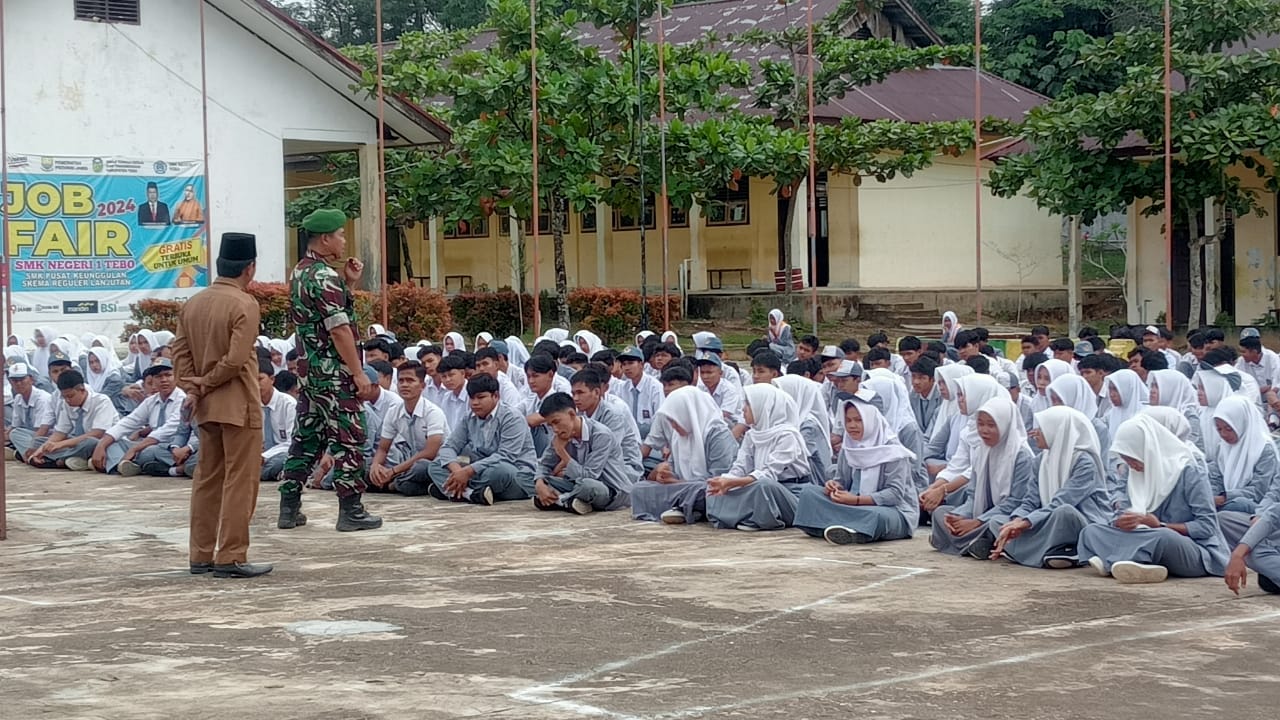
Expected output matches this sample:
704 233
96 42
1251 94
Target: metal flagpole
204 119
382 165
534 120
7 290
664 205
977 151
1168 166
813 184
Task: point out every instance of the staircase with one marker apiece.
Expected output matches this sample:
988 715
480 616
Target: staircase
898 314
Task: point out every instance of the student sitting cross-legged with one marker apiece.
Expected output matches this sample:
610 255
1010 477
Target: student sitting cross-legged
152 424
873 494
583 469
1068 493
1258 549
495 441
702 446
33 410
83 417
279 413
760 490
412 433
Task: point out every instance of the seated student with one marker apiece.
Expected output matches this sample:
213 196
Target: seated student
1046 372
1063 349
430 357
815 422
287 382
583 469
540 371
728 397
83 417
487 363
1170 388
878 358
897 412
377 349
949 421
1094 370
279 414
642 393
897 363
1068 493
872 496
1244 464
765 366
563 353
925 397
153 423
807 347
657 440
1168 525
590 396
452 396
411 433
499 450
1074 392
809 368
33 410
701 447
1127 396
291 365
105 378
852 349
386 373
1259 549
779 336
1001 469
760 490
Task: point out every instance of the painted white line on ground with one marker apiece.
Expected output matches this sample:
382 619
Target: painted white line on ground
51 603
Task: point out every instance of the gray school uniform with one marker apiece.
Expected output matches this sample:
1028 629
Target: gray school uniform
615 415
1203 551
1081 500
1264 539
596 474
925 409
785 346
650 499
161 415
910 437
893 517
938 445
1246 497
1024 475
818 444
112 386
499 448
768 503
158 459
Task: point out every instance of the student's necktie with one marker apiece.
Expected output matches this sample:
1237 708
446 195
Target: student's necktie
25 418
416 441
635 402
77 426
268 429
163 413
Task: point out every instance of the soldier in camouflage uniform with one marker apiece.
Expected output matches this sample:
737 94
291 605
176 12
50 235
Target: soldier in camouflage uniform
331 377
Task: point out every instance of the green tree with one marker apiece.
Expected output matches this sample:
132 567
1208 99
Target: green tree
353 22
1095 153
951 19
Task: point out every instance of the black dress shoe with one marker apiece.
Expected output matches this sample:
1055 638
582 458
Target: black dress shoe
201 568
240 570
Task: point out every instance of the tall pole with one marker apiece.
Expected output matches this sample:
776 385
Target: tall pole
813 182
977 152
534 119
639 136
1168 166
664 207
204 119
6 290
382 163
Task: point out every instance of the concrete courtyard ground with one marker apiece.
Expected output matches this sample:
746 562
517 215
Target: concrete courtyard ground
465 612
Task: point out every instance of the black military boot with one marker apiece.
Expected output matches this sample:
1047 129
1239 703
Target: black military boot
291 511
352 515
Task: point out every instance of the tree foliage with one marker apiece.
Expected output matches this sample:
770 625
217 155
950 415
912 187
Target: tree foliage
353 22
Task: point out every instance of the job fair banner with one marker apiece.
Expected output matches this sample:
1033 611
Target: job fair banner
87 236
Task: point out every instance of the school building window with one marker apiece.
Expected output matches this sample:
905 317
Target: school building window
108 11
477 228
677 218
730 207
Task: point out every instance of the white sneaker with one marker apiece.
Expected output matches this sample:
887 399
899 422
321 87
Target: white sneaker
1096 563
840 535
747 528
77 464
581 507
674 516
1132 573
129 468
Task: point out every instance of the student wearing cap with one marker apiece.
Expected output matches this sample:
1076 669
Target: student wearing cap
153 423
727 397
279 416
410 436
32 411
711 345
83 417
642 392
333 383
487 457
847 381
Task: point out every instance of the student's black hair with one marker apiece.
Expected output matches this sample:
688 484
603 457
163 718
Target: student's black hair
285 381
987 350
430 350
413 367
383 367
261 352
1097 343
648 346
291 355
1137 352
379 343
606 356
1061 345
482 383
577 358
1166 333
1220 356
933 355
70 380
767 359
1251 343
685 362
453 361
909 342
877 354
983 334
1087 332
812 342
1040 331
878 338
966 337
676 373
564 351
556 403
264 368
939 347
850 345
668 348
1028 340
1093 362
548 347
1196 340
1114 364
468 359
980 364
590 377
1214 335
396 351
1152 361
487 353
808 367
756 346
540 364
924 366
1032 361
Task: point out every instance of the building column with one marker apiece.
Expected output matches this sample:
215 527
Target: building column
371 224
513 229
697 263
1134 299
433 252
1075 299
800 232
602 268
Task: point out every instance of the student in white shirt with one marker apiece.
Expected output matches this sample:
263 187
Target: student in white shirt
279 414
487 363
727 396
154 422
452 396
33 409
413 431
514 374
83 417
641 392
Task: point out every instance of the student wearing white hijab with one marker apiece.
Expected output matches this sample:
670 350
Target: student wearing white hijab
780 337
164 339
1212 388
873 495
1069 492
40 356
141 344
901 418
483 340
1168 525
815 421
1002 469
760 490
1073 391
556 335
454 342
950 326
1127 396
1244 464
105 377
517 353
1172 389
948 423
702 447
972 392
1046 373
588 342
642 336
280 355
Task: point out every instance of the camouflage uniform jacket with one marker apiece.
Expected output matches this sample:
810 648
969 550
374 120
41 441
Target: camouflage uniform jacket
320 302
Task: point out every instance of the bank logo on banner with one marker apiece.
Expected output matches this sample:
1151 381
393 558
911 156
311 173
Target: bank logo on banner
88 236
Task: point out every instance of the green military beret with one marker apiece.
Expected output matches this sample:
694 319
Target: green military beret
324 220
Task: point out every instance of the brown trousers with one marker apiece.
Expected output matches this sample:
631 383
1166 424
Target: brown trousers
224 492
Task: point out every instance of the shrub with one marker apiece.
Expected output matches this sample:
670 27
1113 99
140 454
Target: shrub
414 313
152 315
273 303
614 314
500 313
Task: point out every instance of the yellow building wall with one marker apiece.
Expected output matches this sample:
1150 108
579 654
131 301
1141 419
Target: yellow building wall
928 221
843 231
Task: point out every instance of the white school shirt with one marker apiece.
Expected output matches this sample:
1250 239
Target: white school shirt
560 383
387 400
508 393
400 425
154 412
34 413
456 407
517 378
643 404
729 399
284 413
97 413
1266 373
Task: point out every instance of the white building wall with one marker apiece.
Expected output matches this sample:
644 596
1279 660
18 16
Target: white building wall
83 88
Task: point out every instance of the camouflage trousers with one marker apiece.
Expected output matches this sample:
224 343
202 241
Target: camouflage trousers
330 418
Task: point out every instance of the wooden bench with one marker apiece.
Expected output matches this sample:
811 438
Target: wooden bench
715 277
